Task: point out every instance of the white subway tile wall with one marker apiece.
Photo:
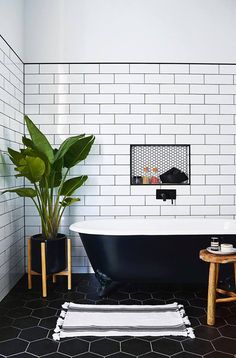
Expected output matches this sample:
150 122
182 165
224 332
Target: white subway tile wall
125 104
11 206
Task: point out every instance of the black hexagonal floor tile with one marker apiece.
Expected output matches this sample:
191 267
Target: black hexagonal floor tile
23 355
106 301
198 302
34 304
119 296
195 311
72 296
228 331
12 304
33 334
88 355
12 346
130 302
187 355
185 294
231 320
226 345
6 321
206 332
55 355
8 333
153 301
135 346
163 295
44 312
198 346
73 347
42 347
19 312
140 296
27 322
120 355
48 322
104 347
166 346
218 355
119 338
153 355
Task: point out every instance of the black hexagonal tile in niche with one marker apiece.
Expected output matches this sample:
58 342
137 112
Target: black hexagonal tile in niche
27 321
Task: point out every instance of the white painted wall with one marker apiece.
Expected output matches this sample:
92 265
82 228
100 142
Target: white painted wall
12 23
130 30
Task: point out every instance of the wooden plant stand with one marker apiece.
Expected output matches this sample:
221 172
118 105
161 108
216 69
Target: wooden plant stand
44 275
215 261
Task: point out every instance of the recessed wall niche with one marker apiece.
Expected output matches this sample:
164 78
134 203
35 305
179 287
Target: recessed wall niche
160 164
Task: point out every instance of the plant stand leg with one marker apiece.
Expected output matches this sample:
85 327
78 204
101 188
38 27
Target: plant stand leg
69 262
211 302
54 278
44 270
29 265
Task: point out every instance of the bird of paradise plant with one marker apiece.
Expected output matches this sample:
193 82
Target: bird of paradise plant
47 169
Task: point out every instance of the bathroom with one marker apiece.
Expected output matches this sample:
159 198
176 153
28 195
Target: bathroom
129 73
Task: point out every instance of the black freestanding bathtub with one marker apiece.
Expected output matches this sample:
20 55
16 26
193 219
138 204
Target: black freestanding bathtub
162 250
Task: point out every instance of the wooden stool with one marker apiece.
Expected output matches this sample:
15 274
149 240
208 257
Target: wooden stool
44 267
215 261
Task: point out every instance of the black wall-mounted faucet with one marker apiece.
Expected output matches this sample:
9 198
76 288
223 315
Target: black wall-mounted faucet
166 194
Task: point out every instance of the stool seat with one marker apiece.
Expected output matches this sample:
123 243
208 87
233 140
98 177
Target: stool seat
215 262
218 259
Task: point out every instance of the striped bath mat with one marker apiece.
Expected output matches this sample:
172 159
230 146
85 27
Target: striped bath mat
119 320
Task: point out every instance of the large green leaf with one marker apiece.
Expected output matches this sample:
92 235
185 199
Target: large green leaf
55 177
78 151
39 140
32 168
28 142
15 156
66 145
72 184
69 201
25 192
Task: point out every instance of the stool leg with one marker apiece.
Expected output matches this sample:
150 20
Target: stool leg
54 278
217 273
29 265
235 273
69 262
211 302
44 270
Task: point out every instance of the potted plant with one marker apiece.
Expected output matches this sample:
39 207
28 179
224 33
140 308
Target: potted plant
51 191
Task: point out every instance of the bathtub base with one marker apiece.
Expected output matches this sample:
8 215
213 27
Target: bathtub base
107 285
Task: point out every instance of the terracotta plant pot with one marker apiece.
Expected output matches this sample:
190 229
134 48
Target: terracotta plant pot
55 253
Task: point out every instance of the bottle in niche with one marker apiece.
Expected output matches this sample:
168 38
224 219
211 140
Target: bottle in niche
154 176
215 243
146 175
